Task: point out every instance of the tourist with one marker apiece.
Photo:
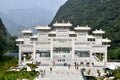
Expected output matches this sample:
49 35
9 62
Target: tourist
64 64
92 63
44 72
38 74
69 66
88 64
106 75
75 64
50 69
53 63
81 63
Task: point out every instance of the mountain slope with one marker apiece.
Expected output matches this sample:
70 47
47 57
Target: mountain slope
19 19
96 14
2 29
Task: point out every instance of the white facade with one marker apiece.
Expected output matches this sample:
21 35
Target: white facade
62 45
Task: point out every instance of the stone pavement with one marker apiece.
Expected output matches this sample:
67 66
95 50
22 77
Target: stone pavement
61 74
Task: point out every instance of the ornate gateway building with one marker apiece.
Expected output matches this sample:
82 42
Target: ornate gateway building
62 45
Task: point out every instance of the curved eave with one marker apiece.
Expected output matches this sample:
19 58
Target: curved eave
72 32
106 40
34 36
62 24
92 37
82 28
98 32
19 39
52 32
27 31
43 28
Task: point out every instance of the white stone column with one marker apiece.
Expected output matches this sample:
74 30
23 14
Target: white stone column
91 52
20 55
24 59
73 48
105 59
34 51
51 53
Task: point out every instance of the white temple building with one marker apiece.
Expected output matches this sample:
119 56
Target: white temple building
62 45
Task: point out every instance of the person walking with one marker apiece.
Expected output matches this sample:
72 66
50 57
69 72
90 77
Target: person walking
50 69
44 72
69 66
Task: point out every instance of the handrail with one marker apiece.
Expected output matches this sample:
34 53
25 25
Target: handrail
83 75
96 58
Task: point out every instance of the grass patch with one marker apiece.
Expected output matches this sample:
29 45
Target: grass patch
14 75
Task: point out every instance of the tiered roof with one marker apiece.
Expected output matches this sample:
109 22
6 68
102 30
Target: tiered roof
27 31
68 24
43 28
98 31
82 28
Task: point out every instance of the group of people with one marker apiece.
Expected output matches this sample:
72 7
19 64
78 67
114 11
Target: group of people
87 63
83 63
76 65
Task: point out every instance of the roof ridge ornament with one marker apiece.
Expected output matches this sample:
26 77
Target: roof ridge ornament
56 22
63 21
78 26
68 21
86 25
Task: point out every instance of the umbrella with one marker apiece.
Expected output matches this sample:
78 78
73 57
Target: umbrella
112 67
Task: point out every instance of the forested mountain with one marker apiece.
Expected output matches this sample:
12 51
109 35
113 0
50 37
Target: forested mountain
97 14
2 33
2 29
7 42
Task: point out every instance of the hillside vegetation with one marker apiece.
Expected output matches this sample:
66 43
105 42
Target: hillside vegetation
97 14
7 44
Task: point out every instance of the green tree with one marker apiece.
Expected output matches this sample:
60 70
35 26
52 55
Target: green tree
32 66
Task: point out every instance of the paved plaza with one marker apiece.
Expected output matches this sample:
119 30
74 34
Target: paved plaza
60 73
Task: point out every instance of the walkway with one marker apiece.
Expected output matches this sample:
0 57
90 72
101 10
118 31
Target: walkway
62 73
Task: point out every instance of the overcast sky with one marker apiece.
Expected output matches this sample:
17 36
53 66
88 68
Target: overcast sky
6 5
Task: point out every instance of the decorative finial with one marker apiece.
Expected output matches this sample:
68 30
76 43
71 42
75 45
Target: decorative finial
68 21
86 25
56 22
63 21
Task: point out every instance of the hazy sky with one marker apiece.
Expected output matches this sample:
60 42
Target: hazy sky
6 5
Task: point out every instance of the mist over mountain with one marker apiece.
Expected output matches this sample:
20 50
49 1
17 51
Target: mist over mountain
19 19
